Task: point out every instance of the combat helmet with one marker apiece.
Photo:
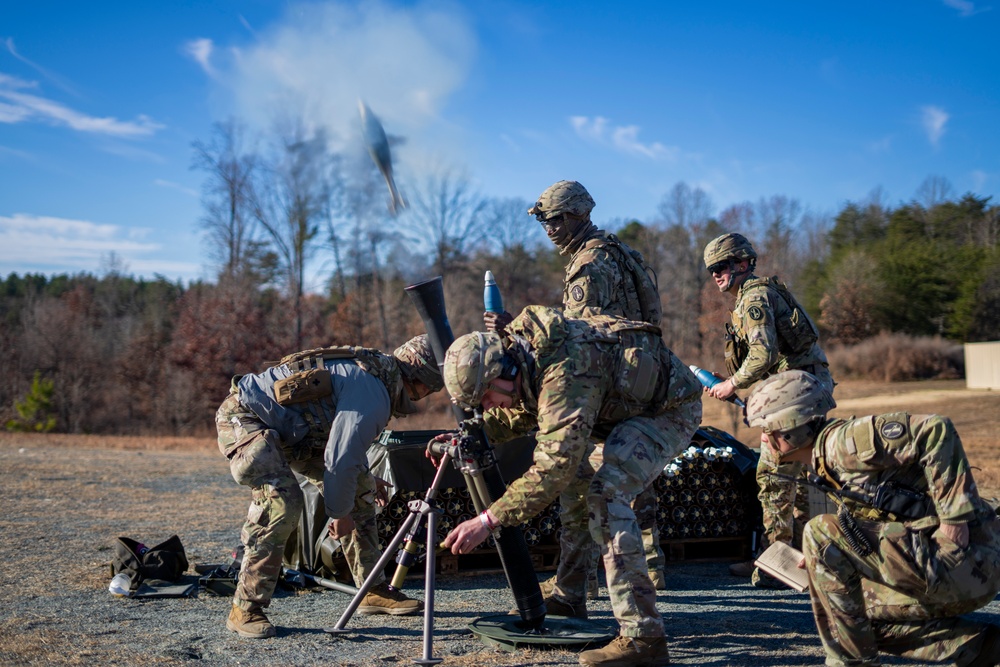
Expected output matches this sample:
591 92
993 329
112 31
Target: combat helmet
728 246
725 252
566 197
564 210
470 364
788 400
415 359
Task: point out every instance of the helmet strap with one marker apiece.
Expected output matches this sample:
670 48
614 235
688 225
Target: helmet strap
513 393
800 437
736 277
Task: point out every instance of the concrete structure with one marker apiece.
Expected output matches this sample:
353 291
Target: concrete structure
982 365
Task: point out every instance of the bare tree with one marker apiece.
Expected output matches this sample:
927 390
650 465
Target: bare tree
934 190
228 199
371 237
508 226
685 214
777 221
515 243
291 199
446 212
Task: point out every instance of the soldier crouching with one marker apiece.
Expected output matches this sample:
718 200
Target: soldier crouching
913 547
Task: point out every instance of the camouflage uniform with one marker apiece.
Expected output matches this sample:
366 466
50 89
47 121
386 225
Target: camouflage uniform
325 439
599 282
603 277
917 582
762 323
574 383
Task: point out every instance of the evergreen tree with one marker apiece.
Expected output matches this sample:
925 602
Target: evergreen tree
35 411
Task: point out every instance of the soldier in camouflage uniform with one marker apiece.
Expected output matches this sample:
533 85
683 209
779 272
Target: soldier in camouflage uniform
603 277
579 382
770 333
316 413
894 573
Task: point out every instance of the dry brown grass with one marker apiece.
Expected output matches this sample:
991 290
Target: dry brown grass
898 357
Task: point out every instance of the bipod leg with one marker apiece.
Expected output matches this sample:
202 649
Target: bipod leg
340 627
417 510
429 584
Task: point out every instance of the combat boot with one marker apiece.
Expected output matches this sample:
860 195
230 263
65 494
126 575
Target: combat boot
761 579
989 654
557 607
742 569
549 585
381 599
629 652
252 623
658 579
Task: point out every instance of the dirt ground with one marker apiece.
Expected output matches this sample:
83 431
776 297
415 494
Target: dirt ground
69 497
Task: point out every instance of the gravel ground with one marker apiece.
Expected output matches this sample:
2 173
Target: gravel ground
66 506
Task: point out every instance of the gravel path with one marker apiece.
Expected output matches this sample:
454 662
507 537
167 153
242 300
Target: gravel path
67 505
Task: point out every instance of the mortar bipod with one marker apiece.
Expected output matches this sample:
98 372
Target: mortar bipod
408 530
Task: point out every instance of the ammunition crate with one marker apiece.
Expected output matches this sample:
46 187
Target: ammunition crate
707 499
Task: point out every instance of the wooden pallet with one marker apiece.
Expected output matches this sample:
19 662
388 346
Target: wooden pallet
707 549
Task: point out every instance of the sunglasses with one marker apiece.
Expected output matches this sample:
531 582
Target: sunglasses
719 267
553 220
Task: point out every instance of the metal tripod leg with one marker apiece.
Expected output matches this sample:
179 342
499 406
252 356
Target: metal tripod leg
429 582
418 509
340 627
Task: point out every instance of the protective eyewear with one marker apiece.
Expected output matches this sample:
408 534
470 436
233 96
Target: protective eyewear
548 222
719 267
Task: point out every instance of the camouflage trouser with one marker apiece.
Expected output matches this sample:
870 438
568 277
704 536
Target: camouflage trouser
788 506
578 551
785 505
632 457
258 459
645 507
916 585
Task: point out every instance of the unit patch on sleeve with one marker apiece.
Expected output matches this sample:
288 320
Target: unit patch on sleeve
892 430
755 313
576 293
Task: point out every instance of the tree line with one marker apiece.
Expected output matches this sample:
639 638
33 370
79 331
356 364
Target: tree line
126 355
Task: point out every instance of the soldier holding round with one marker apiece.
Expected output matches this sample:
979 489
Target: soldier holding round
913 547
580 382
769 333
316 413
604 276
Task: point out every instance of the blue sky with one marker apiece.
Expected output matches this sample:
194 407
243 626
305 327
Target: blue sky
823 102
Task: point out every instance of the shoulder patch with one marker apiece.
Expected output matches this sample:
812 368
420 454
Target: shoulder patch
755 313
577 293
892 430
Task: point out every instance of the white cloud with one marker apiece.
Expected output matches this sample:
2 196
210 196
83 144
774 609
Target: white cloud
200 50
176 186
934 120
321 58
57 80
59 244
965 7
20 107
12 82
10 113
624 138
